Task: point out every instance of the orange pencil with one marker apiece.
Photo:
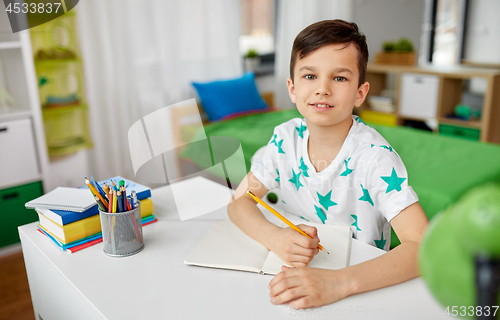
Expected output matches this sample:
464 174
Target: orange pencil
285 220
110 208
95 192
105 187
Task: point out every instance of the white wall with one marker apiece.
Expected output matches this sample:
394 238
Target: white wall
68 171
266 83
388 20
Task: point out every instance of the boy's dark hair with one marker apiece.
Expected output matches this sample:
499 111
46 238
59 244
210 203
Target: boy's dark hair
328 32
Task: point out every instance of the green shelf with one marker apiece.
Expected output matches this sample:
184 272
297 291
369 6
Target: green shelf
66 129
55 62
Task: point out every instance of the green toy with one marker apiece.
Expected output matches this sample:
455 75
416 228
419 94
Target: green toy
459 258
463 111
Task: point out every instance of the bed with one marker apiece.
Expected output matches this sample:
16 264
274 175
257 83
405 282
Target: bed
253 131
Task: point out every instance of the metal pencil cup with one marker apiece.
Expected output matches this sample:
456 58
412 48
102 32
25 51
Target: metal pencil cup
122 232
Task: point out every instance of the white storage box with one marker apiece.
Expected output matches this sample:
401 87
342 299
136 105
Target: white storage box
419 96
18 162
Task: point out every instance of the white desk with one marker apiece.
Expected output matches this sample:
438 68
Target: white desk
155 283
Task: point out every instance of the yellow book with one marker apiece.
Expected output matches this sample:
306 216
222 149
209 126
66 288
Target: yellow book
146 207
73 231
85 227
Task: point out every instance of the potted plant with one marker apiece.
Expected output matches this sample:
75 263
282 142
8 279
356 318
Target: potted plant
397 53
251 60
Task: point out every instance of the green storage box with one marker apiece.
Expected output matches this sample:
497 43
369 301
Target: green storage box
14 214
460 132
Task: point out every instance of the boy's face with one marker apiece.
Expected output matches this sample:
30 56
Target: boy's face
325 86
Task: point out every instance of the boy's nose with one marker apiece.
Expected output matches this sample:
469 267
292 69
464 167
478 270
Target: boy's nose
323 89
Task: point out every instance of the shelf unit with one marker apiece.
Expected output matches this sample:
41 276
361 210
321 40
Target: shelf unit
24 162
450 89
59 69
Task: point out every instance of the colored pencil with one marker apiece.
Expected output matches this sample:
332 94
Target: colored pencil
99 203
110 208
119 201
285 220
128 204
97 186
93 190
124 194
114 201
106 188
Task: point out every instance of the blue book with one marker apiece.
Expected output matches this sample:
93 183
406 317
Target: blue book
66 217
142 192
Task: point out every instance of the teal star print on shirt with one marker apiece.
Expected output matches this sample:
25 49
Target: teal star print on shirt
355 223
278 178
303 168
380 243
366 195
301 130
320 214
387 147
280 150
274 140
359 120
296 180
347 170
326 200
393 181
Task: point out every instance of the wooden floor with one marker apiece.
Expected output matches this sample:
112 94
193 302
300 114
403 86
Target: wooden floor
15 298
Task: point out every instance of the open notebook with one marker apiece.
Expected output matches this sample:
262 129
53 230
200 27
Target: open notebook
225 246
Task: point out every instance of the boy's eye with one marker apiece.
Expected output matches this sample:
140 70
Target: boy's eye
340 79
309 77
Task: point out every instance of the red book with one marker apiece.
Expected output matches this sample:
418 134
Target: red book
84 245
150 222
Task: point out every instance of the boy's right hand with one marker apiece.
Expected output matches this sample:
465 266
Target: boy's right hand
295 249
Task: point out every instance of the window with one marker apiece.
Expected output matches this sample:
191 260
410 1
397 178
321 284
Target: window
258 26
447 38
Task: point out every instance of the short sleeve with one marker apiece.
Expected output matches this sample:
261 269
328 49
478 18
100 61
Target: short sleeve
266 168
387 184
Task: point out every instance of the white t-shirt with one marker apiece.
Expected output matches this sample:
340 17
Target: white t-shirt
364 187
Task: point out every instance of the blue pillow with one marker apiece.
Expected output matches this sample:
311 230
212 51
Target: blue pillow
227 97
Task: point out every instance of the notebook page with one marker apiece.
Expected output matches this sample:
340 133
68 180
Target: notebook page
225 246
335 239
61 198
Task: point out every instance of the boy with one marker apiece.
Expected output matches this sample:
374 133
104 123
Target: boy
331 168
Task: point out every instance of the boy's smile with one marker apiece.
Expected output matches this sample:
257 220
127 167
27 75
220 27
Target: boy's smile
325 87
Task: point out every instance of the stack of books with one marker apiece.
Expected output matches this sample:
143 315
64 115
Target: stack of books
383 104
70 216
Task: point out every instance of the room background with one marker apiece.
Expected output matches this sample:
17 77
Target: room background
141 56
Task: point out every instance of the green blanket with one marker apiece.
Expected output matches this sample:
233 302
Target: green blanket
440 168
253 131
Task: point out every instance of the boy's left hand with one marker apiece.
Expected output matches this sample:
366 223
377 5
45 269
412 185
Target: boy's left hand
306 287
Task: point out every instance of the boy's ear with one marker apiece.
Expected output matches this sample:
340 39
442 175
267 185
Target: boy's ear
362 93
291 89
